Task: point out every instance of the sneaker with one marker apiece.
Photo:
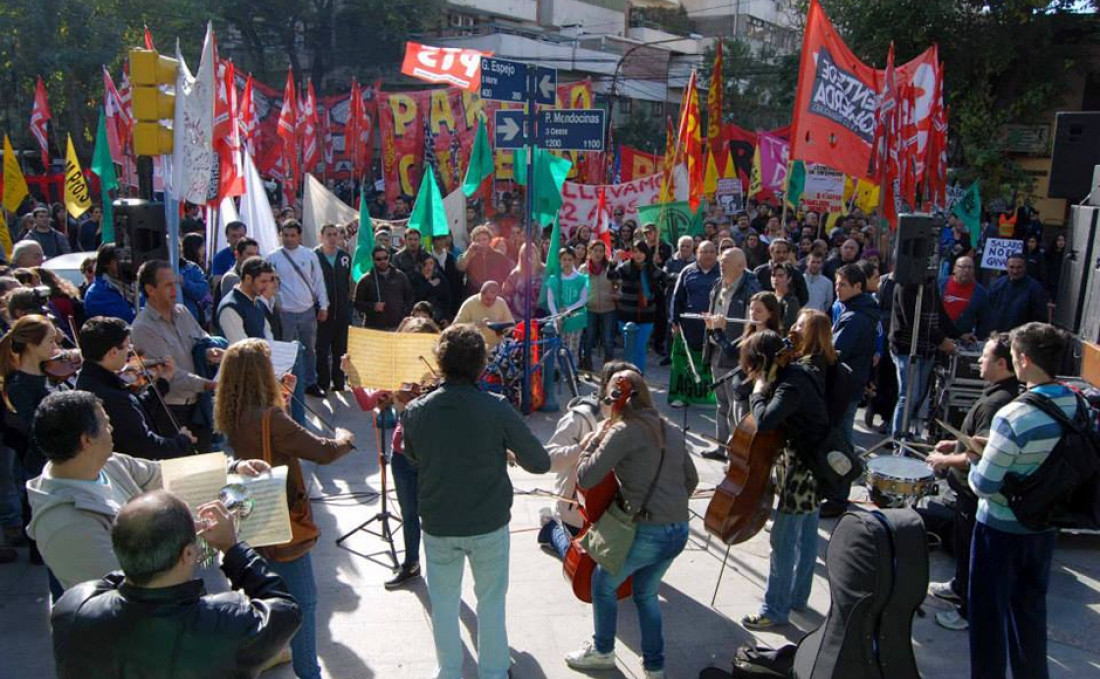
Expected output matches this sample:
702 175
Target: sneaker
759 621
945 591
316 391
588 658
951 620
404 576
715 454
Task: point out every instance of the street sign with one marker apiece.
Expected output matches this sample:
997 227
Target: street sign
572 129
546 85
509 132
503 80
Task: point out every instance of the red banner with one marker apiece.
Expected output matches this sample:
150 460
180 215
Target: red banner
637 164
447 65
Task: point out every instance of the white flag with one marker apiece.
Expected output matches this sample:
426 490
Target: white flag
322 207
256 209
193 158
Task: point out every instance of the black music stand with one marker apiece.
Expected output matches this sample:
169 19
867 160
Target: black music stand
384 516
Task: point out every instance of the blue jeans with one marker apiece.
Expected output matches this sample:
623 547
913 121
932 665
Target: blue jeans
298 576
601 329
11 503
404 480
557 535
488 556
303 327
297 407
1007 602
635 344
922 371
791 571
655 546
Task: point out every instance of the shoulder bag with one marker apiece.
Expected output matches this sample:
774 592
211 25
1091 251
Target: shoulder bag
309 286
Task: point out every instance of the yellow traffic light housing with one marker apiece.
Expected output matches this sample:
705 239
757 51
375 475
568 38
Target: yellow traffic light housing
153 76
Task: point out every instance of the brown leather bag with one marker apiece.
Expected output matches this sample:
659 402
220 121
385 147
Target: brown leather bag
304 532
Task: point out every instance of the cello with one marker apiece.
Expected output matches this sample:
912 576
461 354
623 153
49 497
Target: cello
578 566
743 500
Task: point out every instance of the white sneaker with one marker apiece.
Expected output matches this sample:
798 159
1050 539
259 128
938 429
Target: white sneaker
945 591
654 674
952 620
588 658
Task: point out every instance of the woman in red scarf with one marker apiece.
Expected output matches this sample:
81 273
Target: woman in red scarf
602 292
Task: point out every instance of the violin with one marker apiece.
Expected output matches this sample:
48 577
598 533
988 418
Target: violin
743 500
136 376
63 366
578 566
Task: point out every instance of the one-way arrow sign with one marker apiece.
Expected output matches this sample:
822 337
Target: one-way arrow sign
509 132
546 85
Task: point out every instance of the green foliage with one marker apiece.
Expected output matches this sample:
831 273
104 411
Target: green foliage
758 89
675 21
642 132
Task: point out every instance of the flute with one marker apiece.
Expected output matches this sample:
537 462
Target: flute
729 319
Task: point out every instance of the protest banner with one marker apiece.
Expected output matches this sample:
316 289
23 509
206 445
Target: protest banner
729 195
579 201
997 251
824 192
449 65
682 386
774 152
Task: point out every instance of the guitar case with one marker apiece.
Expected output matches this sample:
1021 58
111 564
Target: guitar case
877 563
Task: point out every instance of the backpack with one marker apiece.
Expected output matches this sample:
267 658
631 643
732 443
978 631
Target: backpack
1064 492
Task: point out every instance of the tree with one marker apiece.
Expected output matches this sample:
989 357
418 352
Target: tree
1005 62
758 88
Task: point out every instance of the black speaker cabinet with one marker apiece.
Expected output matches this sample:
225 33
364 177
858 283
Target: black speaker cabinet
1080 274
915 249
142 225
1076 152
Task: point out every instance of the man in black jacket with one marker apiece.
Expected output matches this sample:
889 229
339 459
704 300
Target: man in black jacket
780 251
332 333
384 296
153 620
105 346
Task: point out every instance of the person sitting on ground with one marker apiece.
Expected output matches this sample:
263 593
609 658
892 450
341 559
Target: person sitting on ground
83 485
120 625
484 308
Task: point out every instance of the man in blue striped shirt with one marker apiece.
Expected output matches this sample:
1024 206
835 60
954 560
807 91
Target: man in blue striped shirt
1010 564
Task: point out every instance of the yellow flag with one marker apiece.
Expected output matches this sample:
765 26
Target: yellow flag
15 185
5 236
756 184
77 200
729 172
866 196
710 179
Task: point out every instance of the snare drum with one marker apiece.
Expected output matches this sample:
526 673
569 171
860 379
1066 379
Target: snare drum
900 478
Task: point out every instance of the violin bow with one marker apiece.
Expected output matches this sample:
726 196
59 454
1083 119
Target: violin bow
153 384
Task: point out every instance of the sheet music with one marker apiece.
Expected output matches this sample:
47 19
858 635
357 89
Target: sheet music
269 522
283 356
386 360
196 479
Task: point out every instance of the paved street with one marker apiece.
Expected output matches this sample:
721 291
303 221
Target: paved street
365 631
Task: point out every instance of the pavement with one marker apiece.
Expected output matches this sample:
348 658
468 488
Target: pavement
365 631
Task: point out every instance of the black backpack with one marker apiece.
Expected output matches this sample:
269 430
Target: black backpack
1064 492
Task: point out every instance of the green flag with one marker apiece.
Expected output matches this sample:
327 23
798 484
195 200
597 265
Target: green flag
969 210
104 167
364 242
428 216
553 262
481 161
673 219
550 174
796 182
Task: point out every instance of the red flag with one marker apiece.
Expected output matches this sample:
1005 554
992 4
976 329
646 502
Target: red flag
714 103
149 40
351 128
936 160
288 132
327 147
39 115
689 144
603 220
227 133
119 122
247 118
308 126
886 110
907 145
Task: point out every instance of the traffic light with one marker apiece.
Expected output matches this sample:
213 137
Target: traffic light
152 104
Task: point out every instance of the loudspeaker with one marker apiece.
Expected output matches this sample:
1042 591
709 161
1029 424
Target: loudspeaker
915 249
141 225
1078 302
1076 152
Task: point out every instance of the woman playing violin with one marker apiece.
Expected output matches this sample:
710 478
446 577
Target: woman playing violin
656 477
789 392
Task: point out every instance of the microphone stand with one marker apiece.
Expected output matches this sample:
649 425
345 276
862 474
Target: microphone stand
384 516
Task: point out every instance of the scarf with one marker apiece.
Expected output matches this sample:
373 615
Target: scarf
596 268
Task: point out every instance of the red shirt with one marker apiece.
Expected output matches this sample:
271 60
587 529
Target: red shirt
956 298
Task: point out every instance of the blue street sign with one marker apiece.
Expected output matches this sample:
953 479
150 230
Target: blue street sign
546 85
503 80
572 129
510 129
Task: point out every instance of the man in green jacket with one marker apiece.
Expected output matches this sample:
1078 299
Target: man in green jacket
459 439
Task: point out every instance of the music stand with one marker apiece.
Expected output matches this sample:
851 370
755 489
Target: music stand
384 516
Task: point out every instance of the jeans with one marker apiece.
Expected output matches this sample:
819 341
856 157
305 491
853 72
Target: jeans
791 570
488 556
966 513
332 343
601 329
404 480
297 407
302 326
11 506
655 546
558 535
723 419
298 576
634 343
1010 573
922 370
848 427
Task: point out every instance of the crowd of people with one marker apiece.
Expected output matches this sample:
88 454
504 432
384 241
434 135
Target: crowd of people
799 327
